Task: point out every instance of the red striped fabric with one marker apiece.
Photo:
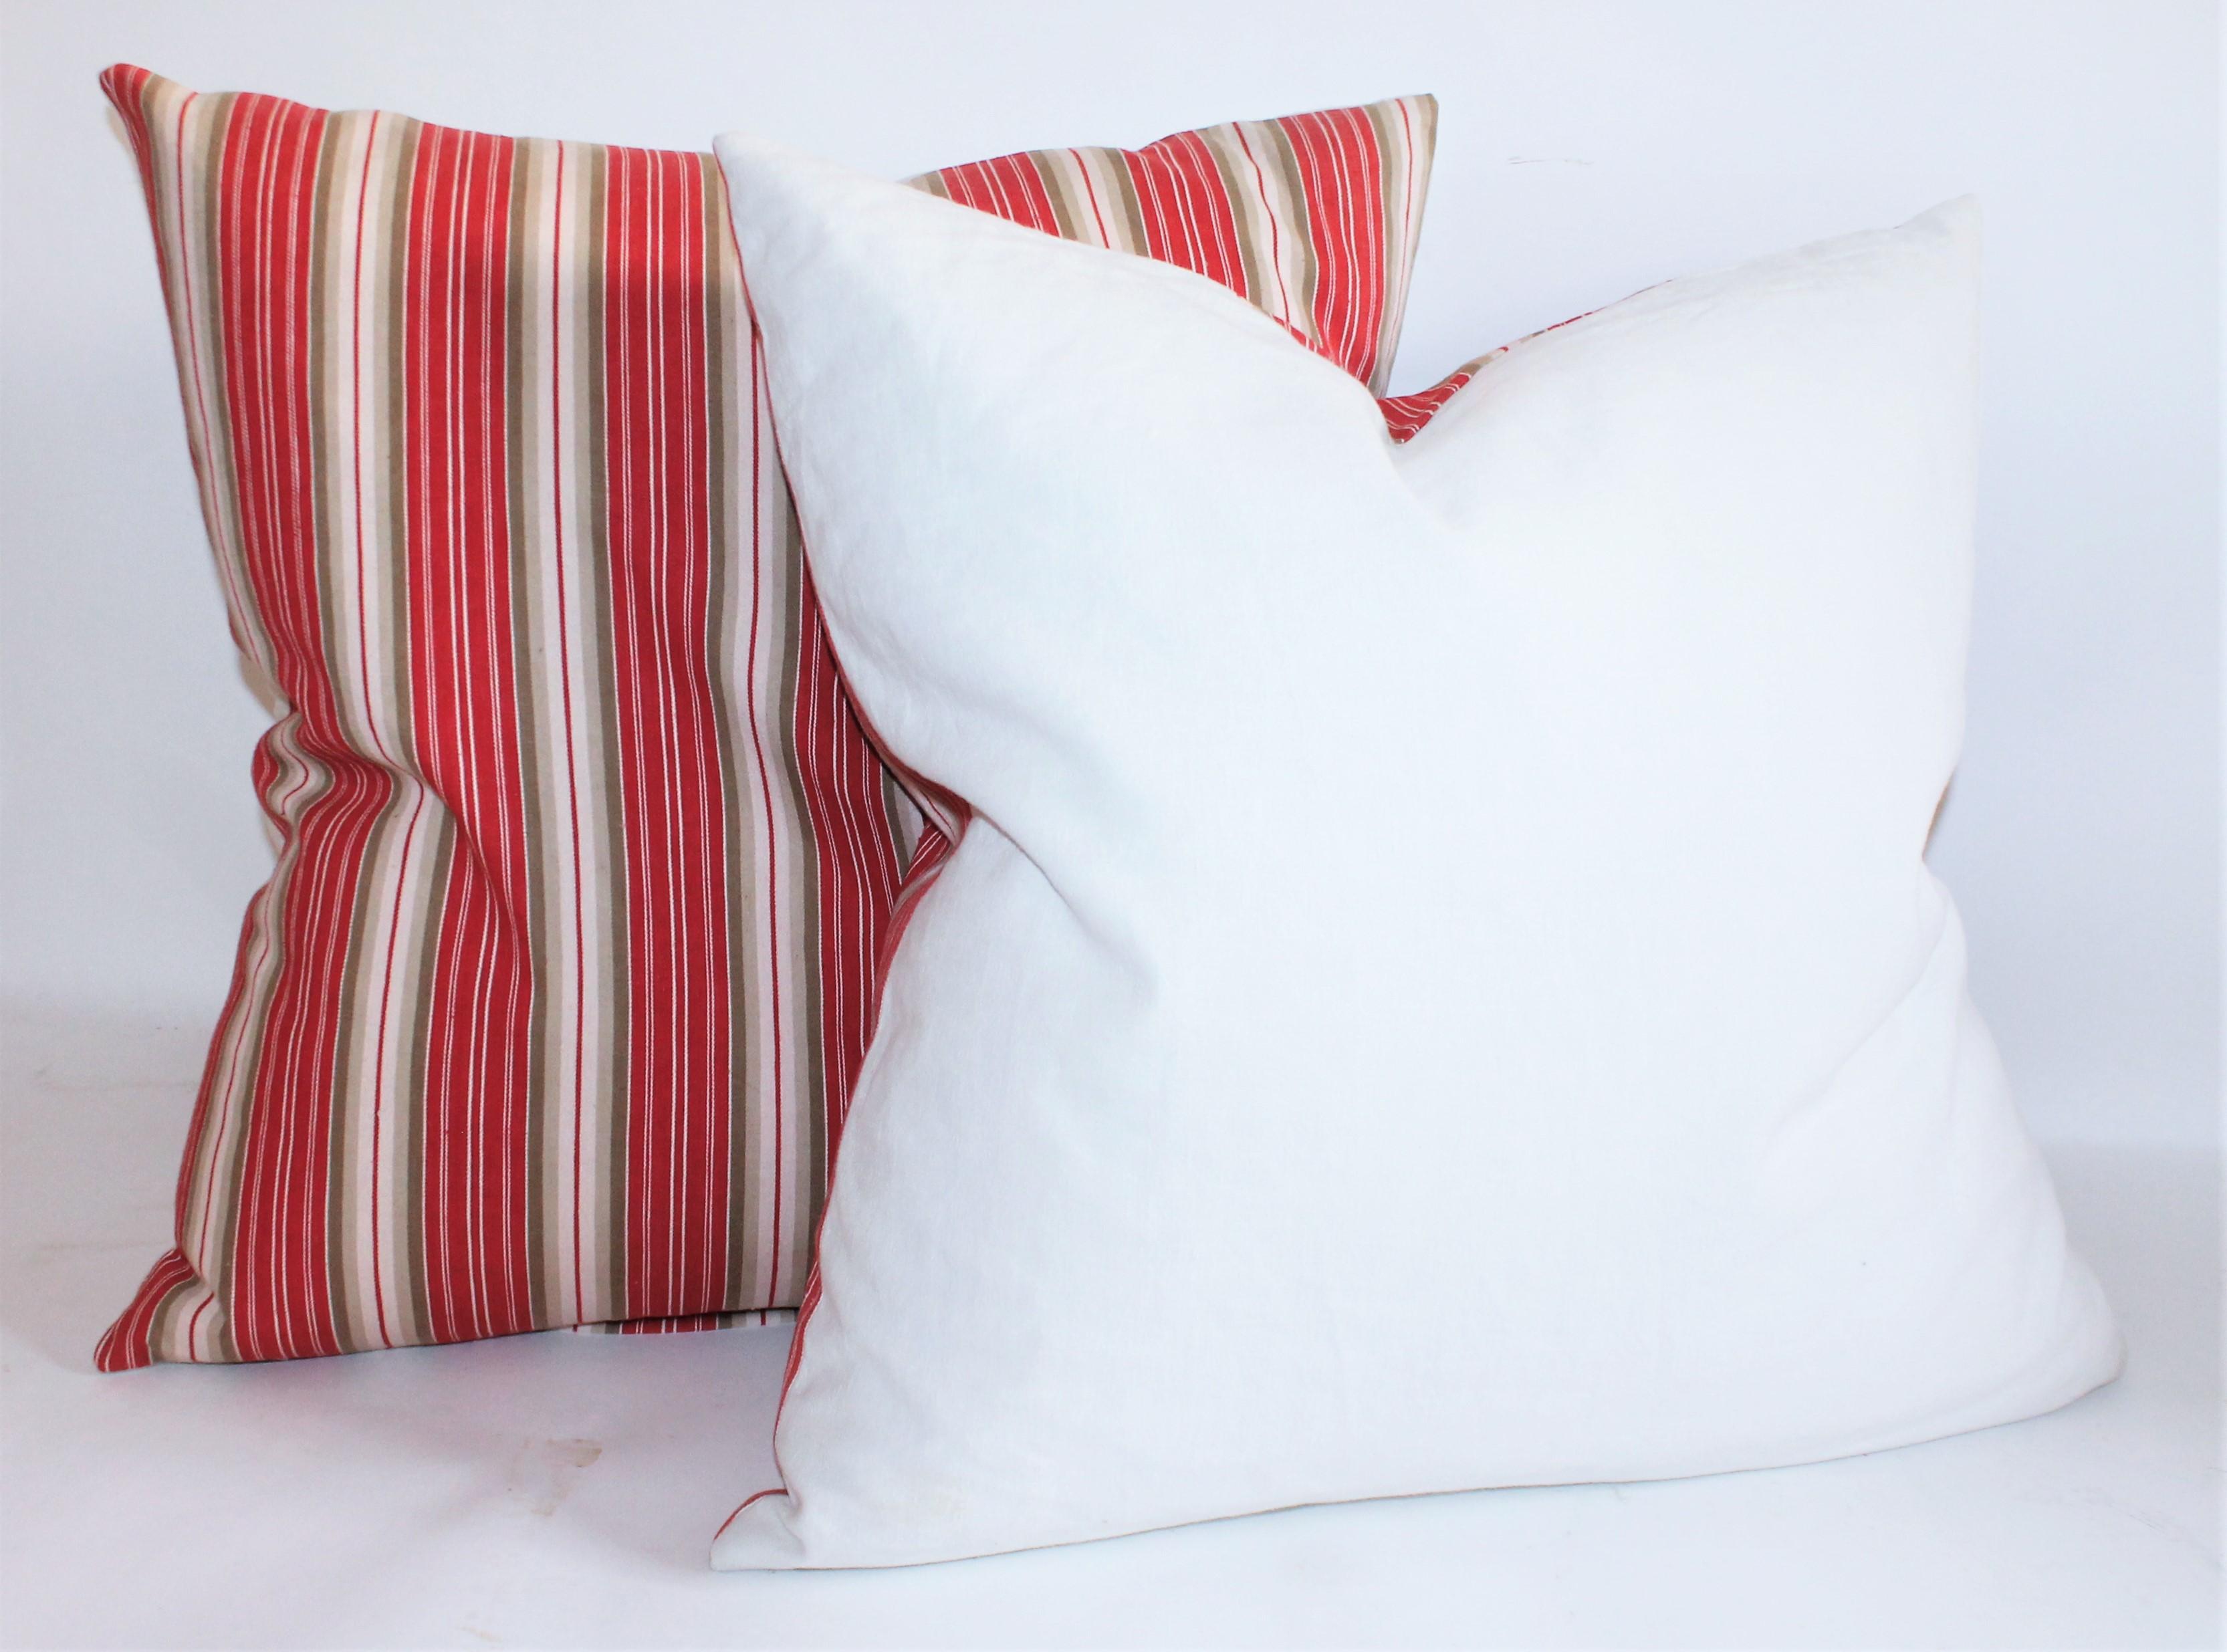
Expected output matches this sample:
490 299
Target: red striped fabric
1406 416
551 1009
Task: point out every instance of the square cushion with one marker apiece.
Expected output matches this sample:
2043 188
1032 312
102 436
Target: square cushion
1440 986
552 1007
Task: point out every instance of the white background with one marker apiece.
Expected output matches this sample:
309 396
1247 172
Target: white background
1586 150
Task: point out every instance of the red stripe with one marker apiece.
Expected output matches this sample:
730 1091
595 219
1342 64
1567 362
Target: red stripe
1188 216
125 1346
457 535
658 446
280 1300
681 1324
859 868
1009 187
1404 416
1341 173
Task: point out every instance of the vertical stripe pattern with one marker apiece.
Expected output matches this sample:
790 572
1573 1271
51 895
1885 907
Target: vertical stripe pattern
1314 217
588 868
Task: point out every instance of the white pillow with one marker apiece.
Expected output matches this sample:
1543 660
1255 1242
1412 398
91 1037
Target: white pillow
1441 987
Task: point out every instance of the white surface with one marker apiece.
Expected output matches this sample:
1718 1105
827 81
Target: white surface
1586 149
1441 987
431 1496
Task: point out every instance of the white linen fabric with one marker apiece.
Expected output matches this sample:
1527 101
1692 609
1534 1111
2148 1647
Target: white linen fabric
1441 987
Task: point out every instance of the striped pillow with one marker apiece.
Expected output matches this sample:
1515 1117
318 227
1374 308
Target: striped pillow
551 1009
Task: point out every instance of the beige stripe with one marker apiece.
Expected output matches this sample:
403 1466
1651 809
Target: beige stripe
756 666
1407 176
1048 173
606 1274
807 1069
1279 162
408 890
327 386
1240 186
438 844
727 407
1124 210
526 440
585 936
417 925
